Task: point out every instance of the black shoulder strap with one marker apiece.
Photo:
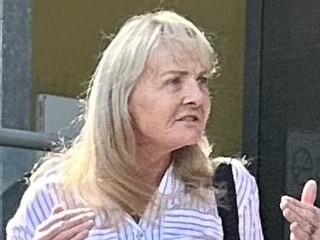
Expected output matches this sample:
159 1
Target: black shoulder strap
229 215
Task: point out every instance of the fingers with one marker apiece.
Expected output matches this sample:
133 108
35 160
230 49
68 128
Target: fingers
74 231
297 233
289 202
294 217
309 192
303 214
59 215
66 224
71 226
81 235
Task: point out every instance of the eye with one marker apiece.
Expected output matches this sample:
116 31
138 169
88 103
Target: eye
176 81
202 80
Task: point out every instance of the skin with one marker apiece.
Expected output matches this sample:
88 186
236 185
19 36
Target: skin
170 107
66 224
303 216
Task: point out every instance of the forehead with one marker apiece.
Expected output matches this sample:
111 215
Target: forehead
175 55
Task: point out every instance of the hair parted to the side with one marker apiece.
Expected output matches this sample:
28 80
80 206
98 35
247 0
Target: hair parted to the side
100 165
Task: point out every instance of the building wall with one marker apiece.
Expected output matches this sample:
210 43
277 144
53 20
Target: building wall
67 37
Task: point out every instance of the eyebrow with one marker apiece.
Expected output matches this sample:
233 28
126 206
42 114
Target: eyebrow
174 72
181 72
204 73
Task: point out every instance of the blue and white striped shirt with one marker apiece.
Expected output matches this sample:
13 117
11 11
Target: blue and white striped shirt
182 217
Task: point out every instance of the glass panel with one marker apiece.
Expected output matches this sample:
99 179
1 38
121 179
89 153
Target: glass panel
14 162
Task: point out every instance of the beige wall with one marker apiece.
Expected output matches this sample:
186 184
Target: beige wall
68 37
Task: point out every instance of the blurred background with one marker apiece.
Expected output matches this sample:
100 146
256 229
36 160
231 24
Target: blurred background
264 102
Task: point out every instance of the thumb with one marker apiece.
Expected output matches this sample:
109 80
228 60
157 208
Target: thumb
309 192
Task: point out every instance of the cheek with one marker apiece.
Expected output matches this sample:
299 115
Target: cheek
207 107
143 116
135 112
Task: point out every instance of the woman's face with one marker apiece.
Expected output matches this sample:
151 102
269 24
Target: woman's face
170 104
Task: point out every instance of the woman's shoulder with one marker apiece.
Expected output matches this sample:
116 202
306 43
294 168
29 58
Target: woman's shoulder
44 188
242 177
238 164
42 195
245 183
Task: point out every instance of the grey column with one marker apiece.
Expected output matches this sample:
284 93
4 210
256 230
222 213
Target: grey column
1 165
1 93
16 85
16 64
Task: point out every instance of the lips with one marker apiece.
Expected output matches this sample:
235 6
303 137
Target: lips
189 118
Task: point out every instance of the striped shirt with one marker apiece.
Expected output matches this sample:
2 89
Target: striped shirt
182 217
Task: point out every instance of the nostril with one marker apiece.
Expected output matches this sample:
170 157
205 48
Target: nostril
192 103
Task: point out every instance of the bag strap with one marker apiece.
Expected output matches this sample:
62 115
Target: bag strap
227 207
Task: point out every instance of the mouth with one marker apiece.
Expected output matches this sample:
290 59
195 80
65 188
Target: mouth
189 118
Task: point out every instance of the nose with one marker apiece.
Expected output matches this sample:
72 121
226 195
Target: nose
194 94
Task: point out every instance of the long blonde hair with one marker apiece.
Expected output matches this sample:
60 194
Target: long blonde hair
101 165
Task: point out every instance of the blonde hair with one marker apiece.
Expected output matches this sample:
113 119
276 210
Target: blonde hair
101 165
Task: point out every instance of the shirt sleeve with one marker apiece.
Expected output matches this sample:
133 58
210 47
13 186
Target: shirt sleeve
35 206
248 203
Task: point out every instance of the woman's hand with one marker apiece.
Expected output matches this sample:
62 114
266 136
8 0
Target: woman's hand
303 216
64 224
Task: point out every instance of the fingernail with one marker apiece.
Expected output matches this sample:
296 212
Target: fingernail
283 202
284 199
90 223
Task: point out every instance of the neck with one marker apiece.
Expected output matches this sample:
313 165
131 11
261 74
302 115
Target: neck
152 164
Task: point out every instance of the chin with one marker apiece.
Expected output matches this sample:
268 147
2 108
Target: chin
182 140
192 140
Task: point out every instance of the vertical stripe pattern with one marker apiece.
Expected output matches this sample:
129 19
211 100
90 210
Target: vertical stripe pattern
173 215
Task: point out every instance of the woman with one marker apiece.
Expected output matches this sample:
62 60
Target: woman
139 168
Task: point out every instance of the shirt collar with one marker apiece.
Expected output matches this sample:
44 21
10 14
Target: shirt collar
169 183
